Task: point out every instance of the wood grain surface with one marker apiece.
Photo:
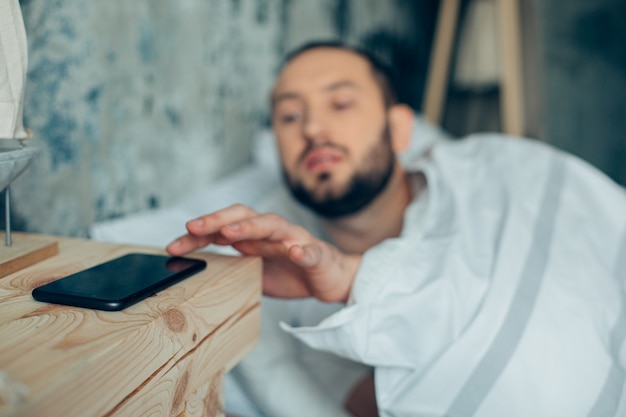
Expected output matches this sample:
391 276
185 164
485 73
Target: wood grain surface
154 358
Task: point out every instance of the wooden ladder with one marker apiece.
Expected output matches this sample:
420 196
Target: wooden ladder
511 99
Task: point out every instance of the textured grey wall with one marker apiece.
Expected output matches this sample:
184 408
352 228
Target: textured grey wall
137 103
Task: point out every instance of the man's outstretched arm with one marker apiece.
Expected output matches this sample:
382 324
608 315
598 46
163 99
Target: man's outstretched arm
296 264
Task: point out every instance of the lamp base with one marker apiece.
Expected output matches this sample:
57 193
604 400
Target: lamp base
26 250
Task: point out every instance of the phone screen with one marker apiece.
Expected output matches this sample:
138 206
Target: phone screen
120 282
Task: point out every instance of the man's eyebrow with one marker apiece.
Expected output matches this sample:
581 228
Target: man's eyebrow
340 84
330 87
284 96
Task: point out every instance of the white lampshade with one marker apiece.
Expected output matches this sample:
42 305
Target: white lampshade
13 66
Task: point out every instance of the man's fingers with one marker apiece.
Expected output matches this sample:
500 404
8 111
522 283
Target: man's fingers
267 235
204 230
307 256
296 264
270 227
266 249
189 243
329 273
211 223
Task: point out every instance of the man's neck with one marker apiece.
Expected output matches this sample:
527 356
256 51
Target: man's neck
382 219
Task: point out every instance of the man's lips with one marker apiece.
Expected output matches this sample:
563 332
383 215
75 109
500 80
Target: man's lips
322 159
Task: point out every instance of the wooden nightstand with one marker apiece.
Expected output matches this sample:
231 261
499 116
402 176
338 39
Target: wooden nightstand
164 356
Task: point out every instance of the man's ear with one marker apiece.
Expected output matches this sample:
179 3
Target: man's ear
401 120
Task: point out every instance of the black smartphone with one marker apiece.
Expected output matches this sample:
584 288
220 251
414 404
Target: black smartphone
120 282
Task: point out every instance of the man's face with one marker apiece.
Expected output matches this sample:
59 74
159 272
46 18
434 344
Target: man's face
333 136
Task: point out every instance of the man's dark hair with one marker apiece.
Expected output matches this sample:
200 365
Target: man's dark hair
384 74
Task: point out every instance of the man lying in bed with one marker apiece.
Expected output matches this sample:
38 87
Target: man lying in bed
485 278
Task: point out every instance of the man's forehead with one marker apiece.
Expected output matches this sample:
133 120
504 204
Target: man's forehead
322 67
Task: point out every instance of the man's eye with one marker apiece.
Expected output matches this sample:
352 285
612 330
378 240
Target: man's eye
342 105
289 118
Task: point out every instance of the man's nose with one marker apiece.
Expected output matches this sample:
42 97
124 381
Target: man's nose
314 129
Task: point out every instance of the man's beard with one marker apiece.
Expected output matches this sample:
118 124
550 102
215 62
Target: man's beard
364 186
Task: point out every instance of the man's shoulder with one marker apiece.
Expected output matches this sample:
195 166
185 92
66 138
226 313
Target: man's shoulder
484 149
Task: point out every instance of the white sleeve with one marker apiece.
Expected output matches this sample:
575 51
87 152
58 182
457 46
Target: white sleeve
395 306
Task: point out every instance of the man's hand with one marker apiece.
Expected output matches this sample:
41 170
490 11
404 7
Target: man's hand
295 265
